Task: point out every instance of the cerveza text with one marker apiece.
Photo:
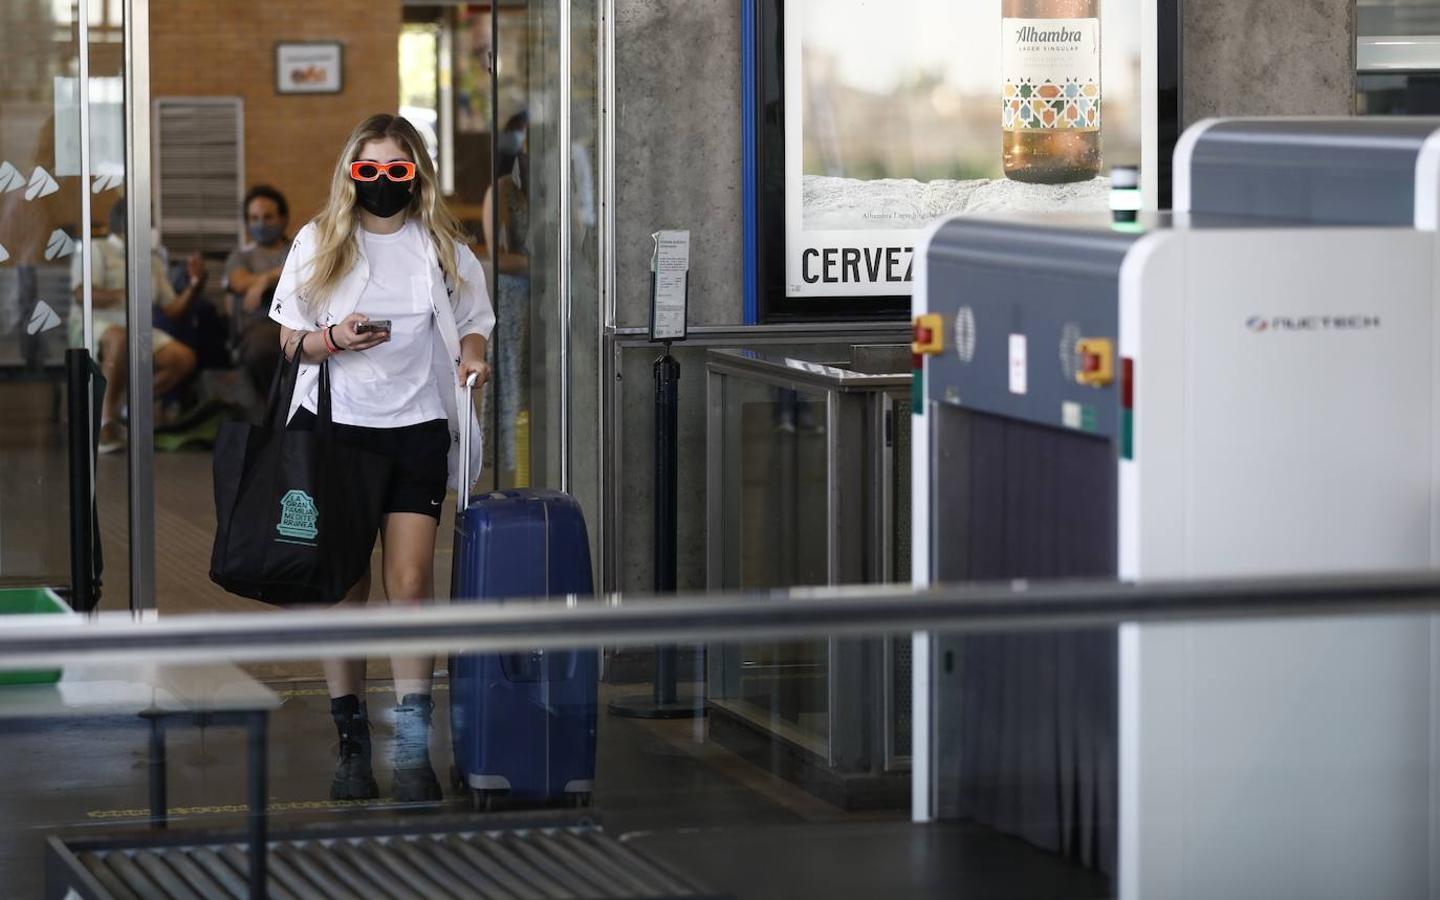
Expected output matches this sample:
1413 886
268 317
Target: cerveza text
858 265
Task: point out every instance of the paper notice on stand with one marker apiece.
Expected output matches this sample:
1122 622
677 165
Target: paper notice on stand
669 286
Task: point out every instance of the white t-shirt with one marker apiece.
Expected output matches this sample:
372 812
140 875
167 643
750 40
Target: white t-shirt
392 384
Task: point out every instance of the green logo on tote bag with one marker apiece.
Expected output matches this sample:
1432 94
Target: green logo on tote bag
297 516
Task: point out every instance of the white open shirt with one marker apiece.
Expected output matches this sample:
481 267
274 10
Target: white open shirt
460 310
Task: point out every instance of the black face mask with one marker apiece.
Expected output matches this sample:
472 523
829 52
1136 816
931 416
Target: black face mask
383 197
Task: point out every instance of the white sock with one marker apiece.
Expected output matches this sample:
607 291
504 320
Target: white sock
404 687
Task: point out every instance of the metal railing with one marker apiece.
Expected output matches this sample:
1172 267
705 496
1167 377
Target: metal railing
859 611
610 524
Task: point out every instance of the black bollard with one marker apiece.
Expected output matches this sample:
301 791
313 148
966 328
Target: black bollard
664 702
667 503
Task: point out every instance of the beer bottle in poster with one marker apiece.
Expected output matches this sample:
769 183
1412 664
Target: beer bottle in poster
1051 90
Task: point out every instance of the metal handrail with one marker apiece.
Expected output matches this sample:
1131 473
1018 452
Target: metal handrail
632 337
785 371
850 611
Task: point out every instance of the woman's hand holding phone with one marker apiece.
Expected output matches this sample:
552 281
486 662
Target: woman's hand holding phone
348 337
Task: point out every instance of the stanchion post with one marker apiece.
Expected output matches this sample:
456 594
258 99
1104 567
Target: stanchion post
82 494
669 298
664 701
667 502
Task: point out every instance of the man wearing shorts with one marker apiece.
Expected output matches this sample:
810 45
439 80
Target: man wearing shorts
174 362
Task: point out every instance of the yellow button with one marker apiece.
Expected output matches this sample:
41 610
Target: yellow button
1097 361
929 335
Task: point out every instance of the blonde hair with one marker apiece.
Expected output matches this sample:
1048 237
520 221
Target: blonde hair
336 248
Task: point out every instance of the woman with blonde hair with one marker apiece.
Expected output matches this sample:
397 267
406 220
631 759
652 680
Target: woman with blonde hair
383 287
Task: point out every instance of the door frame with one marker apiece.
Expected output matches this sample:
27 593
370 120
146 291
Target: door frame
139 179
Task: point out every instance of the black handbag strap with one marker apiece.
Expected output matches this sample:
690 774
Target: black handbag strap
322 404
282 394
282 389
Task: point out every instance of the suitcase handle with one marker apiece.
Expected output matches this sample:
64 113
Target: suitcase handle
466 423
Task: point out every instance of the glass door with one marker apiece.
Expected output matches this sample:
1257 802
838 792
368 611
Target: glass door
59 197
82 268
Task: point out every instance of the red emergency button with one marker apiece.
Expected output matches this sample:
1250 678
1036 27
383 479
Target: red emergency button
1097 361
929 335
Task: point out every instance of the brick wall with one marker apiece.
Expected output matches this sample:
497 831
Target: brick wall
227 48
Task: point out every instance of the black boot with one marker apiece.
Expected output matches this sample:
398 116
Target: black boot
353 778
415 779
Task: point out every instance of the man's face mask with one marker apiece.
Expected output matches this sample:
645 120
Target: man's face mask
266 232
511 142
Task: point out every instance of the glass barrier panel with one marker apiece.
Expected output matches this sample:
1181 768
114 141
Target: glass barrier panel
1214 758
504 772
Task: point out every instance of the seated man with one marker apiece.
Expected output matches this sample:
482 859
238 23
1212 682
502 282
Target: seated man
174 362
251 273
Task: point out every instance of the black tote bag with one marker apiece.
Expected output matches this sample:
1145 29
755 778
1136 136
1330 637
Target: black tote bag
296 512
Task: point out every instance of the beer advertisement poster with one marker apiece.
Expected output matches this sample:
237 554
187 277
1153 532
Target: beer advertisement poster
899 113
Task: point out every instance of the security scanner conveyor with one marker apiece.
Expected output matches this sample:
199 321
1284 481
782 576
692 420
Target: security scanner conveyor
1245 388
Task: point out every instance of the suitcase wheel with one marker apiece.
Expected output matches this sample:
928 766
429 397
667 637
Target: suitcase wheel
484 801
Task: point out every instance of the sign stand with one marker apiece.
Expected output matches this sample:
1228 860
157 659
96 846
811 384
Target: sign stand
669 290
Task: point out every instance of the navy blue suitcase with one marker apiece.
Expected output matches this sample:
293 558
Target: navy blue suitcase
523 723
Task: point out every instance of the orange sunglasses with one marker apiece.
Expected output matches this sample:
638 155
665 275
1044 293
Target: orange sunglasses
401 170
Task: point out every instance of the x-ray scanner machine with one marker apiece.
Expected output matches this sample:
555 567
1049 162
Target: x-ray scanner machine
1246 388
1357 171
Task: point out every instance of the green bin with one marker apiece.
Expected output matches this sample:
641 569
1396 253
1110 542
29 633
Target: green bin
29 602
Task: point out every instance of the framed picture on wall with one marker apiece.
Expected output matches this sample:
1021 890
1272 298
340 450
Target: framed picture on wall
309 67
866 121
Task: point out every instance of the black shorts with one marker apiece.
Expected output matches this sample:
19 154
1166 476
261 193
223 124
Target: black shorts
418 455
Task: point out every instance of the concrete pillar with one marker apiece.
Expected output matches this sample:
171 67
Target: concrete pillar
1268 57
677 165
677 160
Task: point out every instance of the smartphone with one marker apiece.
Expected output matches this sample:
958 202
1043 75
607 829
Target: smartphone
372 325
